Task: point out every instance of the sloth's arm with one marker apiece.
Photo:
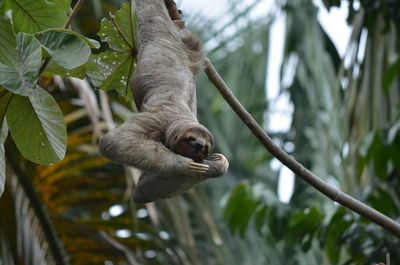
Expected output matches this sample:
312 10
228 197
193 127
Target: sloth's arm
131 144
218 165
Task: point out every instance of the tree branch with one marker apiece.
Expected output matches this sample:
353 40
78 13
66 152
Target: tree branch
297 168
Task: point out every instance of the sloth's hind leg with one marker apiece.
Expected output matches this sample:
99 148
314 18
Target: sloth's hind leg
153 186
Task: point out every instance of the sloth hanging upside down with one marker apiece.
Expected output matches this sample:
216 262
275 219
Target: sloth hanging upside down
164 139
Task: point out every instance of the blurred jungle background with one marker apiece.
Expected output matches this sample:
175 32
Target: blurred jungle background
335 109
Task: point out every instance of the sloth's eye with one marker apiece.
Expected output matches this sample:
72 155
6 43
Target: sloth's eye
191 139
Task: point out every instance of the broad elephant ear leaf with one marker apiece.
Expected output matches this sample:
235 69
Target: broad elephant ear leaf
5 98
240 207
8 42
37 127
32 16
70 52
21 76
66 49
113 68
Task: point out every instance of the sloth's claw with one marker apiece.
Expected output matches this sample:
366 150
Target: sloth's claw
215 157
198 167
220 159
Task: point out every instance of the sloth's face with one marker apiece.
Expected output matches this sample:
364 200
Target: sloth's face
195 143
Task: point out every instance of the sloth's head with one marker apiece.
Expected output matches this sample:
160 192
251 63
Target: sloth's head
195 142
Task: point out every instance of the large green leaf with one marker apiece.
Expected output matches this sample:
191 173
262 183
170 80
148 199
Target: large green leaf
37 127
21 77
31 16
303 225
56 69
119 30
93 44
390 75
112 69
66 49
62 4
240 207
3 136
5 97
339 222
80 71
7 43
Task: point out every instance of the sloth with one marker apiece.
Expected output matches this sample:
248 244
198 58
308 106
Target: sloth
164 139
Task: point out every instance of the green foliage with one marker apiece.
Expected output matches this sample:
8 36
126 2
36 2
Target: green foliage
302 226
21 77
389 10
378 152
32 16
356 119
70 40
240 207
65 49
331 3
338 224
113 68
5 98
7 39
37 127
75 52
112 71
120 29
345 132
20 63
56 69
394 143
390 74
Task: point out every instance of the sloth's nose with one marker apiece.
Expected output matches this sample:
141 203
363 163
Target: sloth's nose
199 144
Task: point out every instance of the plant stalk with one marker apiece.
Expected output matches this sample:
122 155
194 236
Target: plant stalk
74 12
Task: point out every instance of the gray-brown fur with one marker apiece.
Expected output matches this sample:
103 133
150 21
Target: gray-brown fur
164 139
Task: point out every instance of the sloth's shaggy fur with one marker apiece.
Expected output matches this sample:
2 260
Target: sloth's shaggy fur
164 139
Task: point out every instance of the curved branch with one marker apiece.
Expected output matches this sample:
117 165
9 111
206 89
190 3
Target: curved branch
296 167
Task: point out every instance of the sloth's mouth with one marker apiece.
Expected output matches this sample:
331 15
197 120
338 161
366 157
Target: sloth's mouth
199 154
199 145
196 149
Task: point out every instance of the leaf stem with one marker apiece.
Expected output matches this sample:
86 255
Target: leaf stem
73 14
75 11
